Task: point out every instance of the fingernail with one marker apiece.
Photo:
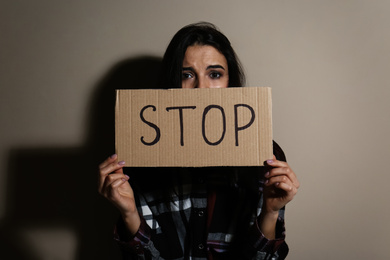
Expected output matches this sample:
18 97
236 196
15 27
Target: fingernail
266 174
127 176
266 182
270 161
113 156
121 163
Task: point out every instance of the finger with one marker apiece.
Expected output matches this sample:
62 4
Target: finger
120 170
113 177
279 171
109 160
112 167
288 172
112 194
276 163
282 182
284 171
104 172
110 180
290 190
118 183
278 179
112 191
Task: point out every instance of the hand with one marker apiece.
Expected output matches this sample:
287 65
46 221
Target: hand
114 186
281 185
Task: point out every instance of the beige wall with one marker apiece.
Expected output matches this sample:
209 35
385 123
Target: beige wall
328 63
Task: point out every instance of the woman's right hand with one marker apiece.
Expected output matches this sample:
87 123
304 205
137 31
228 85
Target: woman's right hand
114 186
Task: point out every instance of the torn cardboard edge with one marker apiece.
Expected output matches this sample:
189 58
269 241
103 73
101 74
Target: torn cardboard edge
194 127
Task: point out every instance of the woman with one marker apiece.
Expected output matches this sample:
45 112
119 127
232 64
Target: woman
202 213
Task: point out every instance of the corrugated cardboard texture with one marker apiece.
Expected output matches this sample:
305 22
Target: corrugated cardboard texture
194 127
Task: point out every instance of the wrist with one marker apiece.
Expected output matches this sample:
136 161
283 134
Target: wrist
132 221
267 223
269 214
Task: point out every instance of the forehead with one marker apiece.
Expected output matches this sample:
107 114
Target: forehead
203 54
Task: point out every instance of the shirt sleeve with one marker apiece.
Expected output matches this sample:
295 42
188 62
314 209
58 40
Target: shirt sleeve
137 246
262 248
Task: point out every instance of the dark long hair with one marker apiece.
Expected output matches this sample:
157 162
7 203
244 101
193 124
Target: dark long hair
202 33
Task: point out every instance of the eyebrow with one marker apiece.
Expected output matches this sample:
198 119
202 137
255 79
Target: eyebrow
215 67
208 67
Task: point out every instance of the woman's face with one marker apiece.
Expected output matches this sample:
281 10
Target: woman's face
204 67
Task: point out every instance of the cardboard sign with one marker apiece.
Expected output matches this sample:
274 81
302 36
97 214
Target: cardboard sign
194 127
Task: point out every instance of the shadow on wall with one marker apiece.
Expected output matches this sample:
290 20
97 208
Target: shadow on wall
52 199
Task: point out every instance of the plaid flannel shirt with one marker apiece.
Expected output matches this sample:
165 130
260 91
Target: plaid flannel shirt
201 213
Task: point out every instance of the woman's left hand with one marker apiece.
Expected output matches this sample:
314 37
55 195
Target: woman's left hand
281 185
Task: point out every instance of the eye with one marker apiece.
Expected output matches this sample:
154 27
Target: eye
215 75
187 75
